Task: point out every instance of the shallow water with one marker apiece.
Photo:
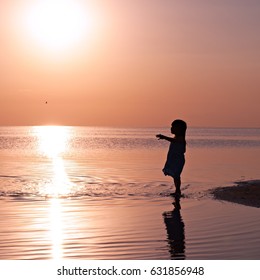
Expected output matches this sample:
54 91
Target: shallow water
132 229
99 193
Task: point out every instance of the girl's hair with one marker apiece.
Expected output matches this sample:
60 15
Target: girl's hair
180 127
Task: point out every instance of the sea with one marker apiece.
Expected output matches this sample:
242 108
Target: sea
99 193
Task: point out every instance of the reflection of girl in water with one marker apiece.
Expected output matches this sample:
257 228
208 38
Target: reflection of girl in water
175 158
175 231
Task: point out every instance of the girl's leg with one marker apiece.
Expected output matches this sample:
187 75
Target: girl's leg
177 183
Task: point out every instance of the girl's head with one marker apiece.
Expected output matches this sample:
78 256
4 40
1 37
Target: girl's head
179 128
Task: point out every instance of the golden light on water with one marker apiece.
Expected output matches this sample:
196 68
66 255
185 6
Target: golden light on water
53 140
53 143
56 228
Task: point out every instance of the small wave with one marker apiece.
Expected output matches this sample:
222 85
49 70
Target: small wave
111 190
9 176
35 189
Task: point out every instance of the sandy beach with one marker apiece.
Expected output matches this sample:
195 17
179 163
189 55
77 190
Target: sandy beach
245 192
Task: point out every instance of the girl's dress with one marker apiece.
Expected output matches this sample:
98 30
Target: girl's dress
175 159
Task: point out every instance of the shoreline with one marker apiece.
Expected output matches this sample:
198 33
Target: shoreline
245 193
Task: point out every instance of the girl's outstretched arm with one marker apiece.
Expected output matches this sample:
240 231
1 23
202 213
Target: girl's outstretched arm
160 136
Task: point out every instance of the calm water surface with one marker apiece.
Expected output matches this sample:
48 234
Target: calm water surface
99 193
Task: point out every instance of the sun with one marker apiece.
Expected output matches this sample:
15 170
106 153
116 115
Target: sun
58 24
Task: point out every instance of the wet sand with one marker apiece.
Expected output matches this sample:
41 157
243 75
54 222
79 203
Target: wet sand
246 193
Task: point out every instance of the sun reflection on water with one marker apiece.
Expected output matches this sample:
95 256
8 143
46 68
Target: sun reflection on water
53 140
56 228
53 143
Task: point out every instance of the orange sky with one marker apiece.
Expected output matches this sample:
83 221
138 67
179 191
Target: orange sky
133 63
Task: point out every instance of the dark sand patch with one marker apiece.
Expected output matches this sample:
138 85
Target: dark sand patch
246 193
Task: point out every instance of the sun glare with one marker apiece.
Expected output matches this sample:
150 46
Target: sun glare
53 141
58 24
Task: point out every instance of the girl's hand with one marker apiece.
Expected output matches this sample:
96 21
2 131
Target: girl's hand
159 136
